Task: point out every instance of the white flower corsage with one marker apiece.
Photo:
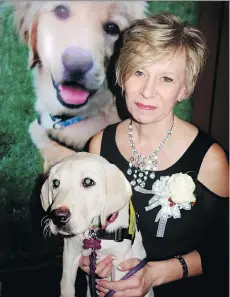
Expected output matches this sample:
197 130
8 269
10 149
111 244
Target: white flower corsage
181 187
172 194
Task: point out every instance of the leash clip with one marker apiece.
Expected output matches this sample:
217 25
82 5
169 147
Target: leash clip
57 123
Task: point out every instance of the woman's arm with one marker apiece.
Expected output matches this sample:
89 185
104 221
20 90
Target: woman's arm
214 171
172 269
152 275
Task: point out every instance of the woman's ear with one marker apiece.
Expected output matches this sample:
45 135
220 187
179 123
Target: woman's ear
183 94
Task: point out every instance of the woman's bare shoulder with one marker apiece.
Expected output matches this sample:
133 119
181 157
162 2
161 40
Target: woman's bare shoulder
185 133
95 143
187 130
214 171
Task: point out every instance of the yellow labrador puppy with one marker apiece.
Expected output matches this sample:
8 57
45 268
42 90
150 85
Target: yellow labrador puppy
80 192
70 46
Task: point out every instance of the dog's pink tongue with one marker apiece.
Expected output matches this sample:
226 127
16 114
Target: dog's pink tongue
72 95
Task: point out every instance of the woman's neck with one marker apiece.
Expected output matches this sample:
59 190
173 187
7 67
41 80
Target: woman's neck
151 134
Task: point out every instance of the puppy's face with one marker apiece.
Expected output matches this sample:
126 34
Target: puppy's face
74 40
79 190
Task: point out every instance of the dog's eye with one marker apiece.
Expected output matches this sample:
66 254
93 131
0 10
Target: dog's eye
62 12
88 182
56 183
111 29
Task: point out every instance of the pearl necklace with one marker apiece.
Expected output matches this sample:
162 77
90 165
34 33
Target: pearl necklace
139 166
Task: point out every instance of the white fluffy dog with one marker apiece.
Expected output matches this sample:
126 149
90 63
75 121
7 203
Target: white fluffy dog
70 46
79 191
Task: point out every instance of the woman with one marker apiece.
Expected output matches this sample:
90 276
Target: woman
167 159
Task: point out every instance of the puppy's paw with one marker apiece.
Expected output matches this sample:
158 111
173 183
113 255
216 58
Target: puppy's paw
67 290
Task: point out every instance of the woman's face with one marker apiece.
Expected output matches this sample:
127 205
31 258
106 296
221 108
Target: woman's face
152 91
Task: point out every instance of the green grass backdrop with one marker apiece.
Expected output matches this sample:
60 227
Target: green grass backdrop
20 162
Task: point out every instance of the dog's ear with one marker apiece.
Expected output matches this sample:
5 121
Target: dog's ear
20 15
135 9
26 21
33 59
46 195
117 191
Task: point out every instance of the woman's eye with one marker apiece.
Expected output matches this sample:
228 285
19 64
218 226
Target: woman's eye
139 73
62 12
56 183
88 182
167 79
111 28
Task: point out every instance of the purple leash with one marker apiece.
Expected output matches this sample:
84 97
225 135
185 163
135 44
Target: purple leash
128 274
95 244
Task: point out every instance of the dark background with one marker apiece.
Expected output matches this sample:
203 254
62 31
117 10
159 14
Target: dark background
210 110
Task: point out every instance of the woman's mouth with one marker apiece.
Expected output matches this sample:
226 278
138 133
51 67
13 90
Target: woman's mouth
146 107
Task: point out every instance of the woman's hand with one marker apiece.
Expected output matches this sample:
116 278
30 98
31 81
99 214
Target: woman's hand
137 285
103 268
153 274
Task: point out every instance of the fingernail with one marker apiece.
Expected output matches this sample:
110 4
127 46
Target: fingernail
98 290
114 258
119 267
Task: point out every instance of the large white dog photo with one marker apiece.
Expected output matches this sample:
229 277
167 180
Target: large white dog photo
70 46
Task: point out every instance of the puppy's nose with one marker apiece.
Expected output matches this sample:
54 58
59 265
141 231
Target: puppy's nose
77 61
60 216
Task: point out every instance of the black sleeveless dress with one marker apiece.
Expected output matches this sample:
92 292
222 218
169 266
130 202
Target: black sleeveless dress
200 228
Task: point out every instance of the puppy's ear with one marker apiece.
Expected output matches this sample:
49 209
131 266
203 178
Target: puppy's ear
33 59
135 9
46 195
21 11
117 191
26 21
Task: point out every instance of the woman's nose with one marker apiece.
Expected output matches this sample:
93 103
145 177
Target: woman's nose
149 89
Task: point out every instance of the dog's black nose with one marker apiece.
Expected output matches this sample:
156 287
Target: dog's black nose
60 216
77 61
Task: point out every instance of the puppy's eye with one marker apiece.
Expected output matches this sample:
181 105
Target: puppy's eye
111 28
88 182
56 183
62 12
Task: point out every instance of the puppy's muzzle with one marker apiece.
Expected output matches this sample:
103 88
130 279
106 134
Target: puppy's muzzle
60 216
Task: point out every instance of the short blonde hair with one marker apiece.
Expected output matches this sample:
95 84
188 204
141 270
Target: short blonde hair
153 37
